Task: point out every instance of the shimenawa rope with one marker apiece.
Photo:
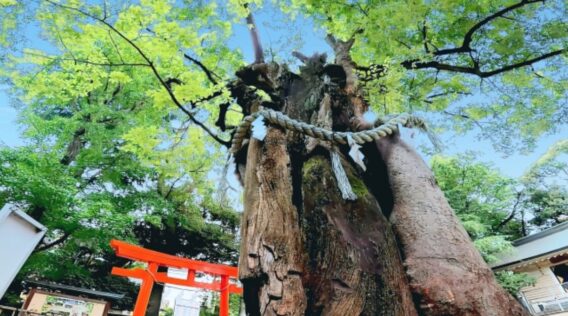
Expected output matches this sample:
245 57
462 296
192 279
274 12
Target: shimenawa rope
382 128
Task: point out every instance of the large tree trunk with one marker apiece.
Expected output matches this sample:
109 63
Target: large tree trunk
447 274
307 251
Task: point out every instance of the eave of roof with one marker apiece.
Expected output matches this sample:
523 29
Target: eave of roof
527 261
69 288
539 235
535 248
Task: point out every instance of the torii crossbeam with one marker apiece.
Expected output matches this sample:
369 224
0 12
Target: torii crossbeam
150 274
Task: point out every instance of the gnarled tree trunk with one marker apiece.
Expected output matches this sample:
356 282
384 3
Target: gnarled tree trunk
397 249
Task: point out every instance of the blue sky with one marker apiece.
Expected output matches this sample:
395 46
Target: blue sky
275 31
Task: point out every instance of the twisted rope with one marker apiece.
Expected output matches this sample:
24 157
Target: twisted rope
382 129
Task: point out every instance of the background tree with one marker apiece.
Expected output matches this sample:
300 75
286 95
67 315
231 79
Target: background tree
99 165
306 248
546 181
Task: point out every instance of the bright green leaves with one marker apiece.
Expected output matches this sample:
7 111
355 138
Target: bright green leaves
119 77
440 57
142 141
8 3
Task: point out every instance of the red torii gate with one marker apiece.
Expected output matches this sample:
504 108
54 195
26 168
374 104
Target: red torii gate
155 259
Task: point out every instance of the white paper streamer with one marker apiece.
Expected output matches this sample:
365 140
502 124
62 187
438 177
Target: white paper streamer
370 117
355 153
259 128
341 178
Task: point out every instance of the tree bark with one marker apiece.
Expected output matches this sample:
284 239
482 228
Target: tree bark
447 274
271 259
155 301
354 267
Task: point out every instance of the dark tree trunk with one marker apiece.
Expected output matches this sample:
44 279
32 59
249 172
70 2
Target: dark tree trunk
155 301
397 249
354 266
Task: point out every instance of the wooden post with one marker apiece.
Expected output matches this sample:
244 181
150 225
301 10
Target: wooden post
224 297
144 295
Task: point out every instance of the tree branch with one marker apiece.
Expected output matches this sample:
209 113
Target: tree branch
74 147
54 243
425 37
513 212
257 47
475 70
468 37
88 62
152 67
206 70
209 73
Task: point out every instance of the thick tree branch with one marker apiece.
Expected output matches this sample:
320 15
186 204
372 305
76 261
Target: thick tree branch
257 47
475 70
74 147
150 64
468 37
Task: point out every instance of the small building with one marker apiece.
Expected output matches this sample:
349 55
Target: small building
544 256
58 299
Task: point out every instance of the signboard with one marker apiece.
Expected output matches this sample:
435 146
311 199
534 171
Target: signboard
19 235
48 303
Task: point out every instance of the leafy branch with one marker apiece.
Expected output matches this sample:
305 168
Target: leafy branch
468 37
465 47
150 64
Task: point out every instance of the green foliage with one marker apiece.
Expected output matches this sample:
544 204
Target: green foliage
548 205
439 55
550 164
513 282
480 196
210 307
546 179
167 312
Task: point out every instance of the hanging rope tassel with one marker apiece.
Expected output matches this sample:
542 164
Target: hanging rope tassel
342 180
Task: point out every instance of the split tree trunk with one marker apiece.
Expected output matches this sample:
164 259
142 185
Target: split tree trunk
307 251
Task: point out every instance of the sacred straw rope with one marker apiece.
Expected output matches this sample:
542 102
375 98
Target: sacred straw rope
382 129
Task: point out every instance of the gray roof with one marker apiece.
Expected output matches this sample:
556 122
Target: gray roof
543 245
78 290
